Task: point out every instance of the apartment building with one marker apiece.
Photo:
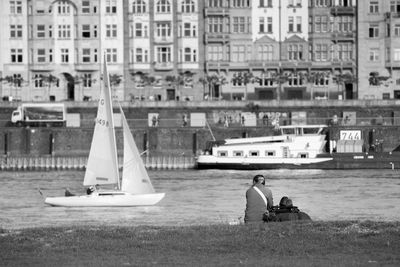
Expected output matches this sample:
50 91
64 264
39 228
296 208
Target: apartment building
379 49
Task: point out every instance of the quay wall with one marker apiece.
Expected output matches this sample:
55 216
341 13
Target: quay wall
377 120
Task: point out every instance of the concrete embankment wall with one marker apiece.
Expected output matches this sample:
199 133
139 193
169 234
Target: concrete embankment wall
376 120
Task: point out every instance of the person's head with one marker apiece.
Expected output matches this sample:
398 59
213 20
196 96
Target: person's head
91 188
285 203
259 179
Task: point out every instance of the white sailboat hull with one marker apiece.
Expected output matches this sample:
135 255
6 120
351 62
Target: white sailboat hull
106 199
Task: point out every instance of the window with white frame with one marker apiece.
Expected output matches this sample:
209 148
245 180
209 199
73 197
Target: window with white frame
265 52
87 80
270 153
50 55
50 27
222 153
16 7
15 31
254 153
64 55
238 153
40 31
321 52
188 6
295 52
64 31
238 53
295 80
38 78
345 51
215 3
298 24
397 30
163 6
269 24
240 3
86 31
16 55
396 54
86 55
239 24
374 54
111 30
395 6
373 6
141 55
85 6
189 55
215 24
41 55
63 7
163 54
111 55
373 31
261 24
187 29
163 29
215 52
111 6
138 7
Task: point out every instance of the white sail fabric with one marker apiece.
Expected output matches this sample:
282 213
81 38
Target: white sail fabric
135 179
102 165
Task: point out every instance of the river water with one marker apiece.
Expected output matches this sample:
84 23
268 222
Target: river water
204 197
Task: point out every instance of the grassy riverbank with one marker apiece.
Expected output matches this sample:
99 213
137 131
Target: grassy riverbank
273 244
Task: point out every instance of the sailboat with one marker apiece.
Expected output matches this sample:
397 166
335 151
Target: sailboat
135 187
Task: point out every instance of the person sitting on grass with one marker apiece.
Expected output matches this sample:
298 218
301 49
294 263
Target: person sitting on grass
288 212
258 200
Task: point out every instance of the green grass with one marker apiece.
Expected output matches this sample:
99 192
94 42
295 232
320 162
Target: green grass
272 244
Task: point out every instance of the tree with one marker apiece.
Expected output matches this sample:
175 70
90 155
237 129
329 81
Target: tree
243 78
177 81
49 80
115 81
280 78
14 81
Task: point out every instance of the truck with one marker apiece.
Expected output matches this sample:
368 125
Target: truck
39 114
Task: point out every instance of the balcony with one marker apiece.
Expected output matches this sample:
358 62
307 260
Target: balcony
392 64
163 65
87 67
42 67
344 36
163 40
343 10
216 37
217 64
392 15
216 11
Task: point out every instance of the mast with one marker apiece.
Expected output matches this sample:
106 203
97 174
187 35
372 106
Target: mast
110 109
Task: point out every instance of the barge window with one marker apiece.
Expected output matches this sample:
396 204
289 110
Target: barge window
237 153
254 153
269 153
303 155
222 153
288 130
311 130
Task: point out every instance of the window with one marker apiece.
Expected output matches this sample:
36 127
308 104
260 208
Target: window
269 24
188 6
111 30
215 3
111 6
187 29
17 80
298 24
261 25
163 54
87 80
239 24
254 153
16 55
50 55
163 6
214 53
85 6
38 78
163 29
238 53
86 31
64 55
295 52
64 31
15 31
397 30
139 30
265 52
269 153
40 31
395 6
240 3
345 51
189 55
139 55
222 153
111 55
321 52
86 55
373 31
41 55
63 7
139 7
238 153
16 7
215 24
291 24
265 3
373 54
373 7
397 54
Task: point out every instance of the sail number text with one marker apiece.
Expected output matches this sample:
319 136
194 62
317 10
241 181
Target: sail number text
102 122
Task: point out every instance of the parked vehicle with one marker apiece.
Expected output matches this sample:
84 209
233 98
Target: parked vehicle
39 114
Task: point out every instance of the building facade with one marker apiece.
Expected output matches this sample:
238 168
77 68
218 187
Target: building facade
161 50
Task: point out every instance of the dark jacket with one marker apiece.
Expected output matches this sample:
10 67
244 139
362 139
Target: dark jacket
290 214
255 205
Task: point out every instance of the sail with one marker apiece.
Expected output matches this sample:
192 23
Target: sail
135 179
102 165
